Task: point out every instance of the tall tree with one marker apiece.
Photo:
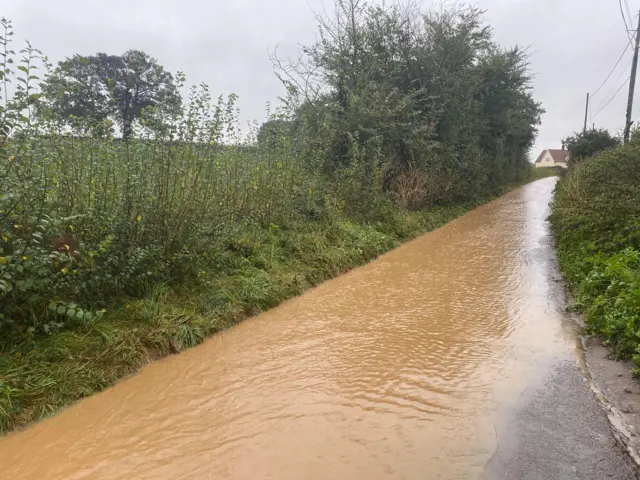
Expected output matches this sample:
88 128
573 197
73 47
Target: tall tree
429 98
90 90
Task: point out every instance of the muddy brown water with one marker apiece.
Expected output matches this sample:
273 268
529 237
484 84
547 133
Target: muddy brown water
400 369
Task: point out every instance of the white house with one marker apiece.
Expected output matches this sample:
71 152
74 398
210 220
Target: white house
553 158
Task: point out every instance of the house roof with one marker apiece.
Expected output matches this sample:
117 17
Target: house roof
557 154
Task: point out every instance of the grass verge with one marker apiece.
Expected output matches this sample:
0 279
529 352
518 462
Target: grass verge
596 221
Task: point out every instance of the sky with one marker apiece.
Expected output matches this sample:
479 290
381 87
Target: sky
573 44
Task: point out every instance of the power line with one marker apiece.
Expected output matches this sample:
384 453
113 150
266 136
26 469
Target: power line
631 38
626 4
617 80
614 96
624 19
612 70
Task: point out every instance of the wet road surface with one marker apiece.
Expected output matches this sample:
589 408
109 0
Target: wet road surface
559 431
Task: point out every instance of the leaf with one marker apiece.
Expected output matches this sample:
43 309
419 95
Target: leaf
22 68
61 310
3 260
79 314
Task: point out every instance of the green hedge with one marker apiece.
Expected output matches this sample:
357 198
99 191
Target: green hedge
596 219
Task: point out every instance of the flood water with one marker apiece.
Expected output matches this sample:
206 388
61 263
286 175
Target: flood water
401 369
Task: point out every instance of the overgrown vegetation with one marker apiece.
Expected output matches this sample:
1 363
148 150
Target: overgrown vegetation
132 226
596 218
589 143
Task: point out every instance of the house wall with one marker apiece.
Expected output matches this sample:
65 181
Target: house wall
547 161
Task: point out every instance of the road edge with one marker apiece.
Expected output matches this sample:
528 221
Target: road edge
621 428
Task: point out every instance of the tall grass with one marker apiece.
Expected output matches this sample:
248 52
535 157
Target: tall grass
88 219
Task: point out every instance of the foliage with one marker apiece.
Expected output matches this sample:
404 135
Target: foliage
429 96
116 252
595 218
538 173
90 90
588 144
88 219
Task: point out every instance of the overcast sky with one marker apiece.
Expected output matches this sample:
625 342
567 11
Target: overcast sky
573 43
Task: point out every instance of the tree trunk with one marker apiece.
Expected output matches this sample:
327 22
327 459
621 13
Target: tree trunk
127 128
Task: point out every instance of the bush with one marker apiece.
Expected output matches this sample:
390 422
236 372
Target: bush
590 143
595 217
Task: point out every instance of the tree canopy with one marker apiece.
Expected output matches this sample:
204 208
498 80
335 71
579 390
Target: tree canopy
430 92
587 144
90 90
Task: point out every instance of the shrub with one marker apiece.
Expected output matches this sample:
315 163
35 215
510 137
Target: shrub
590 143
595 217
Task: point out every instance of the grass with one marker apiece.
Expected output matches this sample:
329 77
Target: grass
545 172
41 376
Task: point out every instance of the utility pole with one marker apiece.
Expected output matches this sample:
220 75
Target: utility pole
632 84
586 113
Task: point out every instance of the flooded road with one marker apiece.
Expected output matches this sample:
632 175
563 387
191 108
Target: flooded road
407 368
